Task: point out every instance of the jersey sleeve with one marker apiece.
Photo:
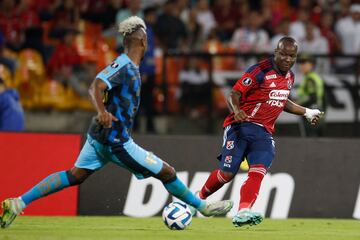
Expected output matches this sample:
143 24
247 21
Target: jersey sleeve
245 83
112 74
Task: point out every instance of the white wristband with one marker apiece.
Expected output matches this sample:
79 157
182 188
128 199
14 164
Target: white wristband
311 113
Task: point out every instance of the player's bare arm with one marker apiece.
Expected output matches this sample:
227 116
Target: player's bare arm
234 102
313 115
294 108
96 92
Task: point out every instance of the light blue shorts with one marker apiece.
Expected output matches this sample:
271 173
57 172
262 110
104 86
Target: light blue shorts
129 155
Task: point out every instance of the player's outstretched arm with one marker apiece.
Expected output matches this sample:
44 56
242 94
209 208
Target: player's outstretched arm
312 115
96 92
234 103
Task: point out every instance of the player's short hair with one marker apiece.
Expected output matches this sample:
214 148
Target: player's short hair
287 39
131 25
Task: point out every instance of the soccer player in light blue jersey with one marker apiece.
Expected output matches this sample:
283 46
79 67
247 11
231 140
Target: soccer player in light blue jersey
115 93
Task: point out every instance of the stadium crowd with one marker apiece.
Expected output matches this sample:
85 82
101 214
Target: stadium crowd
51 50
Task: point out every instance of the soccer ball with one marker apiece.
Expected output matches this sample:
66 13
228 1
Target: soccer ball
177 216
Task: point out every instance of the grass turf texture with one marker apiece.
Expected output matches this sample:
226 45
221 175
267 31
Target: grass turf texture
49 228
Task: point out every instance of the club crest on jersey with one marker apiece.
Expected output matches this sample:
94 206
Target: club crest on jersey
228 159
289 84
246 81
229 145
114 65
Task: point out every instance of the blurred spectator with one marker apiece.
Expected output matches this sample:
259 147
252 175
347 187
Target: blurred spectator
109 16
326 29
301 5
184 10
226 15
34 40
66 67
341 9
11 112
66 15
243 10
213 45
8 62
205 17
194 32
170 30
311 93
133 9
152 3
29 16
314 9
251 38
147 70
297 28
272 12
44 8
94 11
348 30
315 45
195 87
282 30
10 24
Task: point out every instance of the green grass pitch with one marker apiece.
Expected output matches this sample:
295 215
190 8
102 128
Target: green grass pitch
99 228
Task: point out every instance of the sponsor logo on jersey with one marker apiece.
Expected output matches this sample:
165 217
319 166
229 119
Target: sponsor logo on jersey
279 94
246 81
229 145
272 76
277 98
275 103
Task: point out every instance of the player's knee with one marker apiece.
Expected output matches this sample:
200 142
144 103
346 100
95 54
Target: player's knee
77 176
167 173
226 176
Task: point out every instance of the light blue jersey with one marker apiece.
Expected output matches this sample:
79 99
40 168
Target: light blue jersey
122 99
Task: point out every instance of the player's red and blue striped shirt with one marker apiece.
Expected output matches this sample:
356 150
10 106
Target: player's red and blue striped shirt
264 93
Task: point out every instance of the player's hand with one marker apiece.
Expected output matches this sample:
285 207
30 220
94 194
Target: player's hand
313 115
240 116
105 118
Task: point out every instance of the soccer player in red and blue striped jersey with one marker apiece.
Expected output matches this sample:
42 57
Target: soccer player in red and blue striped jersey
256 101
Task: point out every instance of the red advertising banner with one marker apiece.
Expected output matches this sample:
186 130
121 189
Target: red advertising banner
27 158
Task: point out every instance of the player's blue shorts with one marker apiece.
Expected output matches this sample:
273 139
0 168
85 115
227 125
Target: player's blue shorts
129 155
246 140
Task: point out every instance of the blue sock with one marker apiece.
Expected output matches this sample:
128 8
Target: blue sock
52 183
179 190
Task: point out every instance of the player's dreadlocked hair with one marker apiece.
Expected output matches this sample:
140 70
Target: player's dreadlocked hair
130 25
